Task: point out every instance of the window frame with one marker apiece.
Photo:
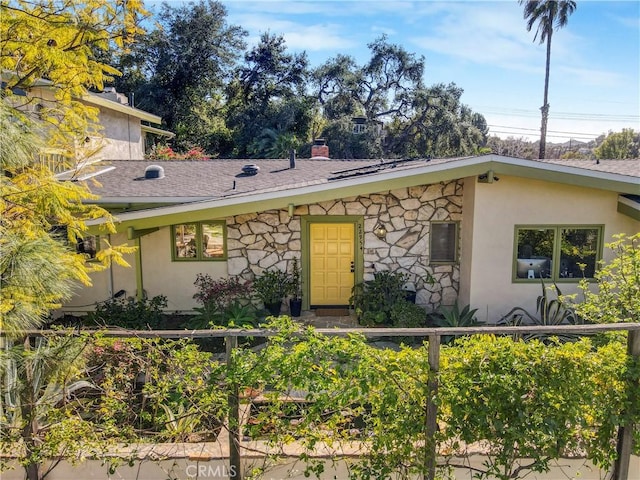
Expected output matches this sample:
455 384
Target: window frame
200 257
556 251
456 253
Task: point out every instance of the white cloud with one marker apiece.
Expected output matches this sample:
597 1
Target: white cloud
314 37
587 76
487 34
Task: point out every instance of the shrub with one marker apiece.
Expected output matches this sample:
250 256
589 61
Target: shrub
617 298
130 313
272 286
374 300
221 293
454 317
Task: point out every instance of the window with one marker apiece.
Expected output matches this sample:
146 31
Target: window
443 242
88 245
359 128
199 241
557 252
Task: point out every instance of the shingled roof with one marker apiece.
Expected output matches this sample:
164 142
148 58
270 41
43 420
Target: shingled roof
193 180
123 181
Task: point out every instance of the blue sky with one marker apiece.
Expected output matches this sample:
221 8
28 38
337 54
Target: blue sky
484 48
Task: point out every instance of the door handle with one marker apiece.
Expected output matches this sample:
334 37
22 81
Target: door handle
353 266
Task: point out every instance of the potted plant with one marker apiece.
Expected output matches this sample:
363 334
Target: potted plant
271 287
295 289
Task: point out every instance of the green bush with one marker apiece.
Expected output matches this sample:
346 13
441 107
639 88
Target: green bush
374 300
130 313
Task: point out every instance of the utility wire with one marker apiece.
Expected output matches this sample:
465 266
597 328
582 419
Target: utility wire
516 134
549 131
519 112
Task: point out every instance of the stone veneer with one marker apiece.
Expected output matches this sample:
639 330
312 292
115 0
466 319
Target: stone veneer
271 239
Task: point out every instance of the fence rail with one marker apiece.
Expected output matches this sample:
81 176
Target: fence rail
625 432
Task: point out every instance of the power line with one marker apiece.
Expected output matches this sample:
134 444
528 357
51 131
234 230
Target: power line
548 131
577 137
520 112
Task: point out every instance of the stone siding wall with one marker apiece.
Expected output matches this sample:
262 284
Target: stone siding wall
271 239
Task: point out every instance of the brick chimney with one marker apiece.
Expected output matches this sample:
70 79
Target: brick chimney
319 149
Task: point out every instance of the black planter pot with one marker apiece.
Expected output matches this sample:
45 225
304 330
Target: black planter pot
410 296
273 308
295 307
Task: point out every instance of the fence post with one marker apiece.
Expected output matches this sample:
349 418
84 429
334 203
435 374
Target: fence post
625 432
233 416
431 407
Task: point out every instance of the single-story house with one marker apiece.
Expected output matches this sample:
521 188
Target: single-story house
485 229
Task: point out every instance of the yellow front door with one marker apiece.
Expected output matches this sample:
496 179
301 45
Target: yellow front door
332 257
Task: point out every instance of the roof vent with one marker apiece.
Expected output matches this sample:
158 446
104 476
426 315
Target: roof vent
153 171
250 169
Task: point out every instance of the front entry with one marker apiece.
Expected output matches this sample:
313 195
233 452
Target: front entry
332 259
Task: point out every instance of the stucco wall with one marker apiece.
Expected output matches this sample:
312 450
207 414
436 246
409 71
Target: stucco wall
120 136
162 276
123 136
492 216
105 283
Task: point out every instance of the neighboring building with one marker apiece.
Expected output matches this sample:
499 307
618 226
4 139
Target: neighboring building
484 228
125 131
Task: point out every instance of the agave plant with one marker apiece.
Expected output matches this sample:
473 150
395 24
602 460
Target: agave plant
452 316
549 311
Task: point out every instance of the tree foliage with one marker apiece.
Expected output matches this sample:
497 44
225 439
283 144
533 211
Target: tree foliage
56 44
619 145
404 118
50 44
616 296
178 70
38 268
272 101
269 110
41 412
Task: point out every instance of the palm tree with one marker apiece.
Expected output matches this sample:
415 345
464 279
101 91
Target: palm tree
549 15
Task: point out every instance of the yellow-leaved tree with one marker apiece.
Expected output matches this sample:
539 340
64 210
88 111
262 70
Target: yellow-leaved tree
52 45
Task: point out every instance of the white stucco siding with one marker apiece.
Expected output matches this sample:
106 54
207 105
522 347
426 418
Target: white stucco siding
123 136
105 283
496 209
162 276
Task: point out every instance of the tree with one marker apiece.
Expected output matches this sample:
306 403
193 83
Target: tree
56 44
617 297
38 268
511 147
549 15
619 145
403 117
40 410
268 109
179 69
437 124
42 218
